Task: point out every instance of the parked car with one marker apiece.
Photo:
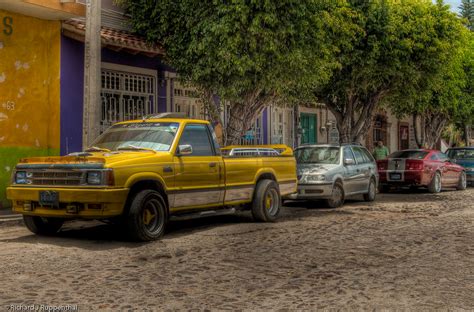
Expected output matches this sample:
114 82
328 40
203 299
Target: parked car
420 168
333 172
144 171
463 156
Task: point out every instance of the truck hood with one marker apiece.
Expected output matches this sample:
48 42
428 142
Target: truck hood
86 160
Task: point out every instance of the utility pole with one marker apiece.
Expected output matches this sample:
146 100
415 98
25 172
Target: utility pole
92 113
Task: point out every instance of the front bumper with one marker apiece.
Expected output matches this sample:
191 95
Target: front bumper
407 178
90 203
313 191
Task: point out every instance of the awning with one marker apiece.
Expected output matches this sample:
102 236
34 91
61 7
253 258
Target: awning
117 40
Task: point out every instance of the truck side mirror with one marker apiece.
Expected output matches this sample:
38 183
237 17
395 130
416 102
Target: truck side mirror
185 149
349 161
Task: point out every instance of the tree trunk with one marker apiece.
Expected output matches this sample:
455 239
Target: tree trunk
242 114
355 118
418 137
467 134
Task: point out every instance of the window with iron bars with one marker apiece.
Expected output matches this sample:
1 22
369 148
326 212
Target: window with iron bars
126 96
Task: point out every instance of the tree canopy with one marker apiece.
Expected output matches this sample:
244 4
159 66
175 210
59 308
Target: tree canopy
247 52
401 52
352 55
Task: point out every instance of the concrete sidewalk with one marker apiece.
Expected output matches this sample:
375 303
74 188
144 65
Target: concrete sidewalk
7 214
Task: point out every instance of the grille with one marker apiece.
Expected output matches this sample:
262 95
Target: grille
55 177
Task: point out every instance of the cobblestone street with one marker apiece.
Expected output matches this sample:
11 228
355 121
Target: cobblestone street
407 250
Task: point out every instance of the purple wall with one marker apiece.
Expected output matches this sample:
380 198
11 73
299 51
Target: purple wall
265 126
72 86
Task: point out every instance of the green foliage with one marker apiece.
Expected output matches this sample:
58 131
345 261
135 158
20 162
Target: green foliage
467 12
353 55
232 47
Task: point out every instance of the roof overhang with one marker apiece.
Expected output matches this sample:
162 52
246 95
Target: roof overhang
45 9
114 39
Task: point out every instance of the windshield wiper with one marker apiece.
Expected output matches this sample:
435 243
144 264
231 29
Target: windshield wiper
135 148
97 149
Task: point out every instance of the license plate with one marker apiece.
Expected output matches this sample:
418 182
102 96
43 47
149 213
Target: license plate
49 198
396 176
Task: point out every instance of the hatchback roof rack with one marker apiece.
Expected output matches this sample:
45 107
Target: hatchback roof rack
166 115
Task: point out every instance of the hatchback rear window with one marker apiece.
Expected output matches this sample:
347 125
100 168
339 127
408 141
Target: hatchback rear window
409 154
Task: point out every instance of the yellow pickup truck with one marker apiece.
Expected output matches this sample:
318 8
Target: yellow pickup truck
143 172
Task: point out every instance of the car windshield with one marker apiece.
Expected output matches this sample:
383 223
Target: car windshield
157 136
466 154
409 154
317 155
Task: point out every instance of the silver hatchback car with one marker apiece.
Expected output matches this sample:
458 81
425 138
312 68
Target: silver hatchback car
333 172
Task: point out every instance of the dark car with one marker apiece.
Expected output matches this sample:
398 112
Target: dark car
463 156
420 168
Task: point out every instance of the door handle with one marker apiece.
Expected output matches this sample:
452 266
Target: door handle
212 165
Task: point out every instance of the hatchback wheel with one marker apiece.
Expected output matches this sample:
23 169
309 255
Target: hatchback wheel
337 197
371 192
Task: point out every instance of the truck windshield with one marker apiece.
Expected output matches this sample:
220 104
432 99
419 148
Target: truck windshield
461 154
317 155
157 136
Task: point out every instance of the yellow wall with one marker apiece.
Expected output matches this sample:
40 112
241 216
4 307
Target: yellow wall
29 90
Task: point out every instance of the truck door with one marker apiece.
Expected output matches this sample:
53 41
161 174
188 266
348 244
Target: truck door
199 169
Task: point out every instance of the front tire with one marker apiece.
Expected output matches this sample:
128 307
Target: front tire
43 226
147 217
337 197
371 192
266 203
462 184
435 184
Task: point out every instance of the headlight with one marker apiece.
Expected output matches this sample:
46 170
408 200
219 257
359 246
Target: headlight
94 177
315 178
20 177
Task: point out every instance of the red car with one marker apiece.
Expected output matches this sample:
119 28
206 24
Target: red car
420 168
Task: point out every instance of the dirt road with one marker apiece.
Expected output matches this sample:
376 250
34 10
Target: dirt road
405 251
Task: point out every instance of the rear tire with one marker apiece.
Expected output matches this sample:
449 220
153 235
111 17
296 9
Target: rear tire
435 184
147 218
337 197
43 226
371 192
462 184
266 205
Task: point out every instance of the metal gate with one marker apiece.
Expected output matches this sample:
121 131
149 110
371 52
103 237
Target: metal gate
126 96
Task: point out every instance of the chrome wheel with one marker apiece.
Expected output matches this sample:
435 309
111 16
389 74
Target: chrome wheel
438 183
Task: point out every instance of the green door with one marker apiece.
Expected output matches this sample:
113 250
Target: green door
308 125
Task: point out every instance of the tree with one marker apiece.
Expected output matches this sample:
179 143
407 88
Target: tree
466 116
467 12
249 53
401 49
437 101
